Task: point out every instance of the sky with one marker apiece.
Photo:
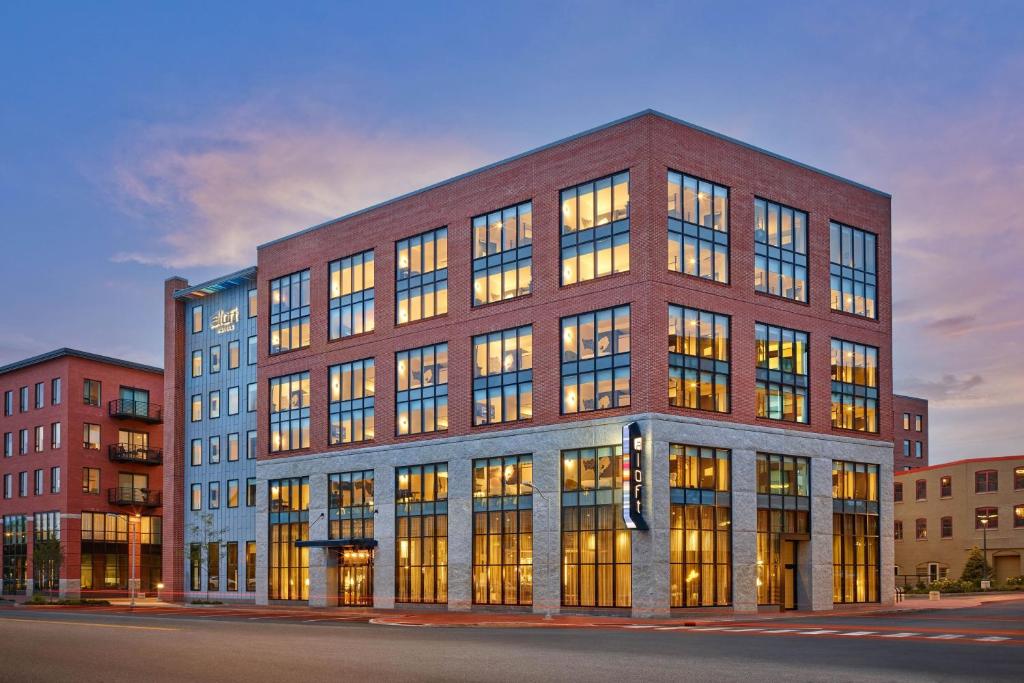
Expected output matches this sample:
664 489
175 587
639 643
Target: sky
144 140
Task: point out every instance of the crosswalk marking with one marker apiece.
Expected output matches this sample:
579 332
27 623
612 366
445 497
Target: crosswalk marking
945 636
819 632
858 633
992 639
900 635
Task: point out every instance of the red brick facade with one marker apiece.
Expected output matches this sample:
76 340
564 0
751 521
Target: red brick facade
73 368
915 409
648 145
174 435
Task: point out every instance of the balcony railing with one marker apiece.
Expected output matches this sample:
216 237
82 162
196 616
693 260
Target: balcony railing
126 495
137 410
143 455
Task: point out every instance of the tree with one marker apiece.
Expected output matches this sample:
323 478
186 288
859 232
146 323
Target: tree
47 559
975 569
206 534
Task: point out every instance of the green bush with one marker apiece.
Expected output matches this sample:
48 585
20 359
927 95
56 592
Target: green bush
40 599
975 569
1015 581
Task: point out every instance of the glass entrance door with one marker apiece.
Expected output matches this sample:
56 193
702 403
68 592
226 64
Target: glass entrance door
355 577
788 561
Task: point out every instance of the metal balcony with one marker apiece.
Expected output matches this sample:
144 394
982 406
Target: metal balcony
144 411
142 455
125 495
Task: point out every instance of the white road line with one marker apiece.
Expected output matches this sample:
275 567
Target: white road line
900 635
671 628
819 632
858 633
992 639
785 630
945 636
744 630
711 628
639 626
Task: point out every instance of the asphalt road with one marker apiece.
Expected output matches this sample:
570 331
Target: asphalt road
42 645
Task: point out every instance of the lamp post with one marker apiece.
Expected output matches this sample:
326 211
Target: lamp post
984 543
133 544
547 549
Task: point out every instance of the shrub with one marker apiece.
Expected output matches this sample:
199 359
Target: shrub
975 569
1015 581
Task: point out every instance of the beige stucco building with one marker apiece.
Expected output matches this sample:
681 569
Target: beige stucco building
940 512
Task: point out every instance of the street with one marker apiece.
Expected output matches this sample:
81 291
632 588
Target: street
980 643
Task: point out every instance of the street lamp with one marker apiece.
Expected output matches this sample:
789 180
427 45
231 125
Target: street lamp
547 548
984 542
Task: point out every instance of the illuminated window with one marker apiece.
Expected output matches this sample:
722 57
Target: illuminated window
421 276
234 354
421 538
90 437
197 363
1018 516
698 227
422 390
700 552
595 229
231 555
906 424
90 480
350 505
1018 478
251 303
596 545
91 391
781 373
232 493
945 486
986 481
855 532
503 376
503 530
288 565
289 412
780 250
783 507
351 401
196 499
289 312
854 386
853 270
352 302
595 360
918 423
503 254
197 319
698 359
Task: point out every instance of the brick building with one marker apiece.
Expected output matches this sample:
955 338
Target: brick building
910 432
443 407
81 465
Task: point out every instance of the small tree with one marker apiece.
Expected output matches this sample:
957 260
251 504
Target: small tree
975 569
205 532
47 559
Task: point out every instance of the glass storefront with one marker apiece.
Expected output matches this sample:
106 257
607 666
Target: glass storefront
855 537
503 530
421 538
288 569
783 520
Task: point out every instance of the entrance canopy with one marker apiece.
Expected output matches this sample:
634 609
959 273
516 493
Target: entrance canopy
341 543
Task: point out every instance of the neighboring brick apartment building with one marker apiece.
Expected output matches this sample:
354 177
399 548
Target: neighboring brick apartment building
941 513
442 408
910 432
81 464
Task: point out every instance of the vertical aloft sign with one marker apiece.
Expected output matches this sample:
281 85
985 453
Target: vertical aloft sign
633 477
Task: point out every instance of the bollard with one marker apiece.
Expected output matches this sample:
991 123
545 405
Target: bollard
933 595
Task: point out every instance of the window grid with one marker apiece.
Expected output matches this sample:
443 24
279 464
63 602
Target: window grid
352 295
289 312
350 505
698 227
595 229
780 250
852 270
782 382
421 400
502 254
503 376
503 530
854 386
421 277
289 412
596 360
698 359
421 539
351 406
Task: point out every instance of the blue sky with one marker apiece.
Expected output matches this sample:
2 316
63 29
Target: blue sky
139 141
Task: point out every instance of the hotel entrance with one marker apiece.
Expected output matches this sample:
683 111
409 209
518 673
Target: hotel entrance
788 571
355 577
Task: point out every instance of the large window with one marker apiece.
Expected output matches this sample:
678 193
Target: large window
945 486
421 277
698 359
105 550
854 386
503 530
421 541
780 250
698 227
289 412
503 376
596 545
15 554
595 229
288 567
503 254
350 505
289 312
781 373
91 392
595 360
351 406
853 270
783 508
855 537
700 557
352 304
422 390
